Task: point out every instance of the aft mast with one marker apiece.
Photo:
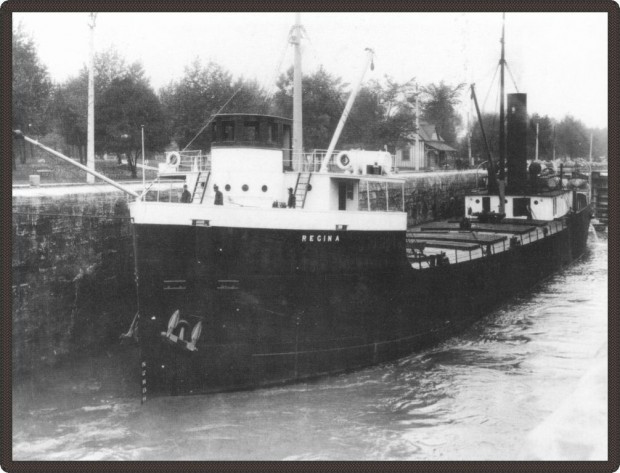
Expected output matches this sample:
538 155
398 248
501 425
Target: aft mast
502 129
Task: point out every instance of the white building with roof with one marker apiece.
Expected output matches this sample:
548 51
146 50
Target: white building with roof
432 151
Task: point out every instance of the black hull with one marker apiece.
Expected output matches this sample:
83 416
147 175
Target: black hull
277 309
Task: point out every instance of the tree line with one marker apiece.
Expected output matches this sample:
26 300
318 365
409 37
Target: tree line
568 138
383 115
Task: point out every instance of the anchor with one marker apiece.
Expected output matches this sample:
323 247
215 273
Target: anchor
177 329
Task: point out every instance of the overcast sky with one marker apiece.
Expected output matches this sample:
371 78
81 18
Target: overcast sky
558 59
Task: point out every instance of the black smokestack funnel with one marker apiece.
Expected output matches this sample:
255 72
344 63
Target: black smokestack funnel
516 142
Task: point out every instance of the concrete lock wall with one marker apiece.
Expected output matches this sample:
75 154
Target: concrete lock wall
73 268
72 272
435 195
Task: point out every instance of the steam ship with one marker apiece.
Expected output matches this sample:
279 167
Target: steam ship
301 264
254 293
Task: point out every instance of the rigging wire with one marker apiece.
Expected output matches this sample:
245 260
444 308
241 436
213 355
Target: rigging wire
313 48
282 55
495 116
513 79
490 87
212 117
485 76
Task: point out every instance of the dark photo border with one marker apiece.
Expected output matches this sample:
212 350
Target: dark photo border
613 11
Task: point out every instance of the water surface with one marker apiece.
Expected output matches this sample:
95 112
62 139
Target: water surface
474 397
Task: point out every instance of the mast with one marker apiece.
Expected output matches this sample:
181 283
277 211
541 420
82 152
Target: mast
536 158
297 107
502 128
90 151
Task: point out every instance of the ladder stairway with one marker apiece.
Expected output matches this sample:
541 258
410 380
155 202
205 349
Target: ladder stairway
301 188
200 190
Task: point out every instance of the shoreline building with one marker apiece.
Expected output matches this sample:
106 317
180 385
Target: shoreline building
432 153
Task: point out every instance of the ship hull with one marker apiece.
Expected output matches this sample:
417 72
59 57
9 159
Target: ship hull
279 306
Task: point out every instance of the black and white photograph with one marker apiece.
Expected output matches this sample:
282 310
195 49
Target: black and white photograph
309 236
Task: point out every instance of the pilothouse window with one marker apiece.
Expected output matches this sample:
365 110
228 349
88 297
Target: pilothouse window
287 139
250 131
228 131
272 133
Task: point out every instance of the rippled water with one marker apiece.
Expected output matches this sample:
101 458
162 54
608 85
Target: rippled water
476 396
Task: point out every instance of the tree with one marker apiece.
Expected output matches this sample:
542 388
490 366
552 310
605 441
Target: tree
126 105
322 102
439 108
363 126
545 137
380 114
191 102
70 107
599 143
572 138
397 100
249 97
70 103
490 121
31 89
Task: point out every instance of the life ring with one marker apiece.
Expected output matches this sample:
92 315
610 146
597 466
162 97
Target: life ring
173 158
343 161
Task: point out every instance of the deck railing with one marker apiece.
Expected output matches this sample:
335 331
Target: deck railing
420 260
163 190
311 161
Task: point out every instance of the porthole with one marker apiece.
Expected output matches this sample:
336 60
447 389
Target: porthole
477 201
535 202
505 201
244 187
309 187
227 187
264 188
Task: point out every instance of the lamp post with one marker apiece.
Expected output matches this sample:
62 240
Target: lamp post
417 157
143 171
125 140
417 129
31 148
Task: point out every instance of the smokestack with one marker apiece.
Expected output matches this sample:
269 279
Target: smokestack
516 142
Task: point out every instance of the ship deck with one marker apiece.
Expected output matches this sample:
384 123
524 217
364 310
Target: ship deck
445 242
